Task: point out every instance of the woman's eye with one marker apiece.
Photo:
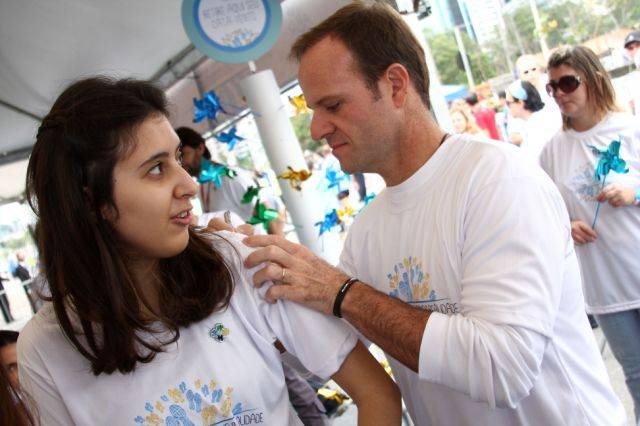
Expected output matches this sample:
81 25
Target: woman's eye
156 170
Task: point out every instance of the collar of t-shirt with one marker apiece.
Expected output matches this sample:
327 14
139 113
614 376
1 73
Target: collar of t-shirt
404 195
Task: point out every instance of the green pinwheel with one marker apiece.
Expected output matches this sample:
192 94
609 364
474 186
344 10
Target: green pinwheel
263 215
252 192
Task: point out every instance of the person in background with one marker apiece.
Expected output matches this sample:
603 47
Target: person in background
485 116
604 210
22 273
13 409
4 302
502 116
464 122
152 320
524 103
632 47
530 69
227 196
8 356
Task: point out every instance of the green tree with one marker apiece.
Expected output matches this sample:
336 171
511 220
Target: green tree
446 54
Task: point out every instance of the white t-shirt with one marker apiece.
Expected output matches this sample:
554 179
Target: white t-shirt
610 267
223 370
480 236
228 196
539 129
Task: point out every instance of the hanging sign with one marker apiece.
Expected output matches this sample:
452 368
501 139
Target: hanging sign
232 31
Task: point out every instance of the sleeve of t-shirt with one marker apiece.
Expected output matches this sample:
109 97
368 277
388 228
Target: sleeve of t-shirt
35 380
513 254
346 262
320 342
546 157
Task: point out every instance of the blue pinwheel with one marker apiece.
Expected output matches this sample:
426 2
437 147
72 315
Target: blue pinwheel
230 138
369 198
331 219
610 160
212 172
208 107
335 177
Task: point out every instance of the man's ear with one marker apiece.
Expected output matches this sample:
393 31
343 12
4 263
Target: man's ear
398 77
201 148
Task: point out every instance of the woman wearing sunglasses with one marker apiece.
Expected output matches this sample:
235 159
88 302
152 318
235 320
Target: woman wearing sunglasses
153 321
602 195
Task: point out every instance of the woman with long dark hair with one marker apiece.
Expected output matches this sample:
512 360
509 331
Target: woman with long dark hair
595 162
152 321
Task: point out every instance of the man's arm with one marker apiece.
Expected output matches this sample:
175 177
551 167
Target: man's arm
396 327
389 323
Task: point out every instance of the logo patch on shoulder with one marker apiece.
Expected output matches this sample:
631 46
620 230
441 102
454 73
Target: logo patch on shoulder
219 332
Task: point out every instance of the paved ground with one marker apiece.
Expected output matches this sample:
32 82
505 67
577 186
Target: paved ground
22 312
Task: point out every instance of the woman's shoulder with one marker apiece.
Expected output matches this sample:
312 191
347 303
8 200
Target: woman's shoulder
41 334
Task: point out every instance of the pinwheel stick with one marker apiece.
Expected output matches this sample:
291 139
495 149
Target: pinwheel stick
593 226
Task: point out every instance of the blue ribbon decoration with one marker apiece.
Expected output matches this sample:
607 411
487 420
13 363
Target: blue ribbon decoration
230 138
208 107
610 160
335 177
369 198
211 172
331 219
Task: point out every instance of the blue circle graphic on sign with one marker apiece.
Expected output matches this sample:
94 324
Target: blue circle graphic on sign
232 30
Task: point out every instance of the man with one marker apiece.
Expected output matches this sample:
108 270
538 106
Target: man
466 273
632 46
228 195
8 356
529 69
485 116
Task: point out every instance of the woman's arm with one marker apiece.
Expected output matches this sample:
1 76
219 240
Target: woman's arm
372 390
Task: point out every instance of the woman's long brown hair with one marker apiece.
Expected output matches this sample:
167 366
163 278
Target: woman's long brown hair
69 182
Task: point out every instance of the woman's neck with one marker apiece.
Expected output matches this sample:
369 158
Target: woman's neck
144 273
585 121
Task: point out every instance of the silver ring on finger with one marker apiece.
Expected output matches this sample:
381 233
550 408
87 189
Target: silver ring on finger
284 273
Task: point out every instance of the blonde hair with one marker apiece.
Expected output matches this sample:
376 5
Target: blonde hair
471 127
600 91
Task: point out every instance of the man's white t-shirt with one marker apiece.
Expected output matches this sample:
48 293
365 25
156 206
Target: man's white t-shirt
480 236
228 196
223 370
610 266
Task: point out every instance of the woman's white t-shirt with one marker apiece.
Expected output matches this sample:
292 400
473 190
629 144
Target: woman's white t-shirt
223 370
609 266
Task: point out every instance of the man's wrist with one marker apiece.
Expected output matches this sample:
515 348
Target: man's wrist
342 292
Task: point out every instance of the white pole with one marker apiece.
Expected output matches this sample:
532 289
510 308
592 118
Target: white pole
538 24
283 149
436 95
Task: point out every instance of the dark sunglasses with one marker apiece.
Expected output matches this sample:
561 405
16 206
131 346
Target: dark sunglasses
566 83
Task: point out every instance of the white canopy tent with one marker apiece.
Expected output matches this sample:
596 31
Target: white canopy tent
45 45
